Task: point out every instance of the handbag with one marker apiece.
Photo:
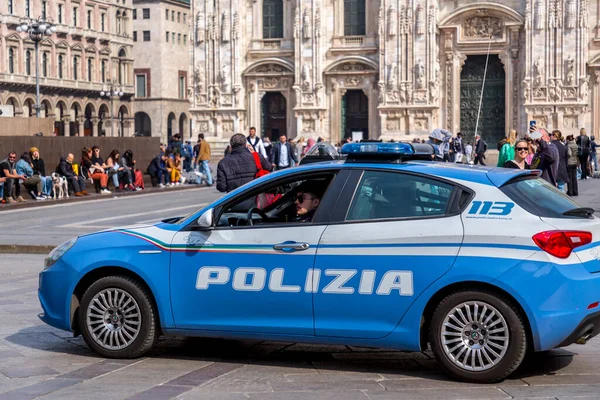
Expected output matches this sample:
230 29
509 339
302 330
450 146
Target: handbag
261 171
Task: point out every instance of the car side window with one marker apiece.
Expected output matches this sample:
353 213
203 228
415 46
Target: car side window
386 194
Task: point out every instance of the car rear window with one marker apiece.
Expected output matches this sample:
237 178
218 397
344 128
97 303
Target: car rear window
538 197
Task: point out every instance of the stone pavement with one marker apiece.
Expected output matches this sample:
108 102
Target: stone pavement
37 361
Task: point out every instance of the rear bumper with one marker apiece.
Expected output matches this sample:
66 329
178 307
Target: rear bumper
587 329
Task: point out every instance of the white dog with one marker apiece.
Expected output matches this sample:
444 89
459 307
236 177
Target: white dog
60 186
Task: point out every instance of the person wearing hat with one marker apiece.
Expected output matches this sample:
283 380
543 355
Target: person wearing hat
39 169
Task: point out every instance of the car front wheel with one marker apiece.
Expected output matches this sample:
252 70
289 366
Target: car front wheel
478 336
117 318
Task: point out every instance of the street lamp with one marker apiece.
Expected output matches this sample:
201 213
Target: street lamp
37 29
113 90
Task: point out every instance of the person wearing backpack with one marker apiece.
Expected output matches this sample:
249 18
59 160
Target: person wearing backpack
239 167
584 144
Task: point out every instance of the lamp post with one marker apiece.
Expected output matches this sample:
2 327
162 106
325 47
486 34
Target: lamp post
37 29
113 90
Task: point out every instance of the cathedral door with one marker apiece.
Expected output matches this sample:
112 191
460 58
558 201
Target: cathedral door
273 115
355 113
491 119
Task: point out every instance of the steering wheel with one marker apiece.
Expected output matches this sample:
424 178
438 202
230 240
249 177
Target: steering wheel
257 210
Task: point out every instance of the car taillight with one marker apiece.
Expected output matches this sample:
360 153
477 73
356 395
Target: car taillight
561 243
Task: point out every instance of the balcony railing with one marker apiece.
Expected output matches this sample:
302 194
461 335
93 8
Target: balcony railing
352 41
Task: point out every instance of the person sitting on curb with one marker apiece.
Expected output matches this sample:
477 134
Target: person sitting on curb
157 170
65 168
39 168
33 184
8 171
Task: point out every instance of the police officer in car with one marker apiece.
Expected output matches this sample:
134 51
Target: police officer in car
308 198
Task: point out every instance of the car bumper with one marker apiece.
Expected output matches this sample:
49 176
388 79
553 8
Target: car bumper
54 292
586 330
558 300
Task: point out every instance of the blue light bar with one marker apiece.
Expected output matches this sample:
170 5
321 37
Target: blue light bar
377 149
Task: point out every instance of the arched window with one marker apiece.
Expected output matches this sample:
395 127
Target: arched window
60 66
90 69
28 62
11 61
272 19
103 67
75 67
122 66
354 18
44 64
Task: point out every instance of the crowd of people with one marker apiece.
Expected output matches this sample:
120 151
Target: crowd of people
29 172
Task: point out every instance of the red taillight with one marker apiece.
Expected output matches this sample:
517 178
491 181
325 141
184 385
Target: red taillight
561 243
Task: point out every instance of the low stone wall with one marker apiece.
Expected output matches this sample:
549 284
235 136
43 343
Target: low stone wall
18 126
53 148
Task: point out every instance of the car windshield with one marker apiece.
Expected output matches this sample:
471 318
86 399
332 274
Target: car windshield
538 197
323 149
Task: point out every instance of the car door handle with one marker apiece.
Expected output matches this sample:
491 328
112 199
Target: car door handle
291 246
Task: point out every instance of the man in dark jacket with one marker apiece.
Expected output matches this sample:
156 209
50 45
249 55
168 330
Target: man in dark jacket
480 149
562 177
65 168
546 157
239 167
584 143
157 169
283 154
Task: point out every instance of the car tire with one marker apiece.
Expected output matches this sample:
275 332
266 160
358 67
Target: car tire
118 318
463 344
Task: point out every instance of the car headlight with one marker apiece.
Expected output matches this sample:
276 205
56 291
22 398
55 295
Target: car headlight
58 252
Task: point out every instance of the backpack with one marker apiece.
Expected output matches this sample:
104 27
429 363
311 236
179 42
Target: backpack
261 171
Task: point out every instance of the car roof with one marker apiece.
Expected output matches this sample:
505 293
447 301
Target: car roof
486 175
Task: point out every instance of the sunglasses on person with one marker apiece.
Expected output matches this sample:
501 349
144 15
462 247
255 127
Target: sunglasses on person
302 197
521 149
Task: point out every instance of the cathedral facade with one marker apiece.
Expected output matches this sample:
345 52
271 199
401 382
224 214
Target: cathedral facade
393 68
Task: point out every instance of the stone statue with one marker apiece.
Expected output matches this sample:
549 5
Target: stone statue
420 20
235 30
538 15
306 77
570 71
551 90
570 14
420 70
381 94
433 91
223 78
318 22
199 30
538 69
392 74
225 30
583 88
559 89
306 24
436 70
391 21
526 90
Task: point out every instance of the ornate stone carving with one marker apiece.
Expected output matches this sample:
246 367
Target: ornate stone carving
392 124
203 126
351 81
214 97
237 90
433 91
199 30
431 19
381 92
392 74
420 20
597 76
421 124
539 93
559 14
227 126
570 71
551 14
409 19
570 14
583 14
402 23
436 69
570 122
538 71
318 22
297 22
552 90
570 92
391 21
559 89
527 16
306 25
306 81
270 68
308 125
420 73
526 90
235 30
308 98
223 78
584 88
538 15
225 28
482 27
270 83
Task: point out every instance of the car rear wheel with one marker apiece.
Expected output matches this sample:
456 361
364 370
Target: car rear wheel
117 318
478 336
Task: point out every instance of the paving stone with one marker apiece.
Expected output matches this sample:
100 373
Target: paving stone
557 391
24 372
320 386
561 379
5 302
160 392
8 353
205 374
38 389
454 394
94 370
321 395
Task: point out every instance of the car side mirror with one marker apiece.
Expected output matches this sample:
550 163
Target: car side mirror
206 219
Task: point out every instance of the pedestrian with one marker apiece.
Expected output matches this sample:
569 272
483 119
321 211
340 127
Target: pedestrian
563 156
584 144
457 148
239 167
283 154
480 149
546 157
203 160
519 160
572 148
256 142
507 151
593 156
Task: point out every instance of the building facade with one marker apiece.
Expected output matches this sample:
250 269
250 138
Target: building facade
394 68
91 48
161 63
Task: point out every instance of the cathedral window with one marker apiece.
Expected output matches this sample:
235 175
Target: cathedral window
272 19
354 18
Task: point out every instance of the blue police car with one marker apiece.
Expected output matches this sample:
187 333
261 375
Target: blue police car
481 264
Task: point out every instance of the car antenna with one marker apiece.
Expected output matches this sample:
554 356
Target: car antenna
483 83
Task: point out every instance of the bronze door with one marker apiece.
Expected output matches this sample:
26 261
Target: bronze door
491 119
273 113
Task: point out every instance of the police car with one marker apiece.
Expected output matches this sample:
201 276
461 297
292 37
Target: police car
482 265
